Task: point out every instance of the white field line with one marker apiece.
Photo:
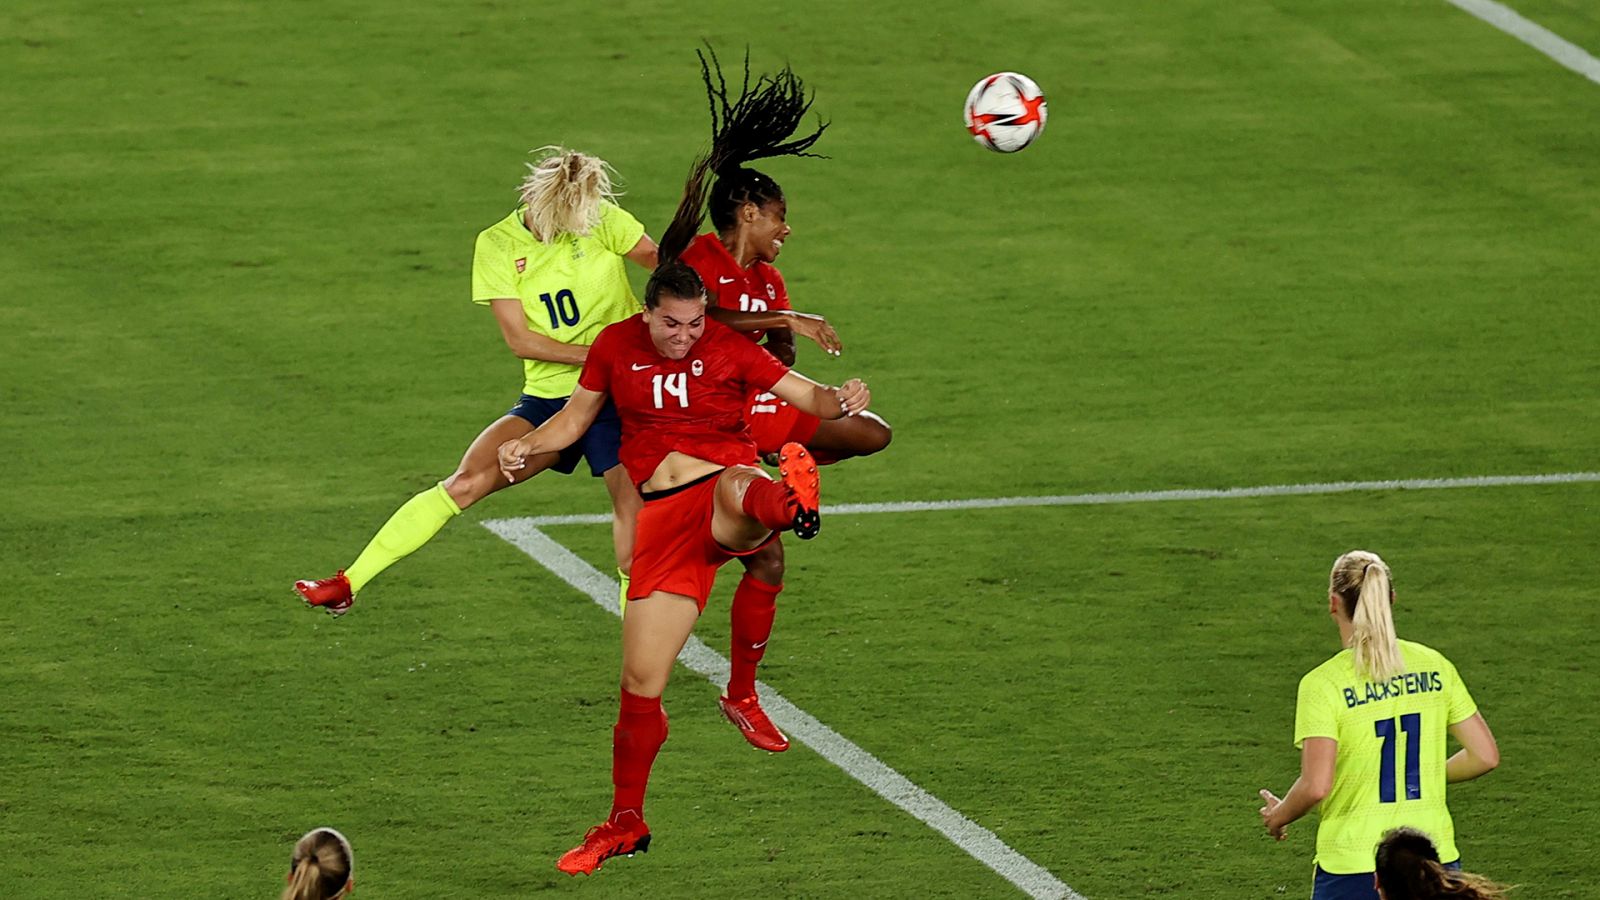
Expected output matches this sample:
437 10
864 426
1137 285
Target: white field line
977 841
1270 490
1534 35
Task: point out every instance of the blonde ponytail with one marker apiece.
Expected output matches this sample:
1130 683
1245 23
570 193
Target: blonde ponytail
1362 582
322 866
563 192
304 881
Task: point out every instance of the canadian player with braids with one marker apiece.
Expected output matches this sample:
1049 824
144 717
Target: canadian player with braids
749 213
681 382
1409 869
552 272
1371 725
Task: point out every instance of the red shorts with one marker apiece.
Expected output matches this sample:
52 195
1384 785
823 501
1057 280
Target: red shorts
774 423
673 549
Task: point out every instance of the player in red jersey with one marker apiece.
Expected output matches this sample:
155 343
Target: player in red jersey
749 212
681 383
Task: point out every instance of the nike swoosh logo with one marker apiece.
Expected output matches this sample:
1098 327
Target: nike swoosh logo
759 646
721 280
638 368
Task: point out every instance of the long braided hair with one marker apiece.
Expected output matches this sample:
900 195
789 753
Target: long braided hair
758 124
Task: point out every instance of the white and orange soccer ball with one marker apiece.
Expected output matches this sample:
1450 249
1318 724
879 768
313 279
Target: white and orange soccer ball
1005 112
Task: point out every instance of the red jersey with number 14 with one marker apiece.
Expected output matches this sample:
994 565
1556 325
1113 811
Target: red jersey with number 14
694 405
730 285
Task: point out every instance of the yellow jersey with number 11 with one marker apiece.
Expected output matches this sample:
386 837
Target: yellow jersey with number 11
1390 767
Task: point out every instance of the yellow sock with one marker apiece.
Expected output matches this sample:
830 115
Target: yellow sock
622 591
412 525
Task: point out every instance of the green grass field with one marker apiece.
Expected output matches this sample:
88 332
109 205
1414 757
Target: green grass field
1260 243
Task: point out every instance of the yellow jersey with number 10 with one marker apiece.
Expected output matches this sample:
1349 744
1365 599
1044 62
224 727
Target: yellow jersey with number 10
570 289
1389 770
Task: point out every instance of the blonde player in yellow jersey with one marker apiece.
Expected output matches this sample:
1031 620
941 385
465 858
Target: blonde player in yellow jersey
1371 724
552 272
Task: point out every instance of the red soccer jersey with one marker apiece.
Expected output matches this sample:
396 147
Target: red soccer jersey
731 286
695 405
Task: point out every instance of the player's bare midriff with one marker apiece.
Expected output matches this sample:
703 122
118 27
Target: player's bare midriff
678 468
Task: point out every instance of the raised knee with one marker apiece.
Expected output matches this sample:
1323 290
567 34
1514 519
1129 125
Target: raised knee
879 436
768 570
766 564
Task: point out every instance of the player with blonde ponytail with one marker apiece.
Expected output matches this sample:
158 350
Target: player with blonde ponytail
1371 725
322 867
552 273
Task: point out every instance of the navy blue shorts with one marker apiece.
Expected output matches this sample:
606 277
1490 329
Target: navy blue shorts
1328 886
599 445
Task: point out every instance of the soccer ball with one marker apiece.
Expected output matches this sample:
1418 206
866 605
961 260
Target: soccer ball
1005 112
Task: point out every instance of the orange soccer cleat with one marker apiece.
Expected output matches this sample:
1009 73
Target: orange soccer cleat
751 720
609 838
800 475
332 593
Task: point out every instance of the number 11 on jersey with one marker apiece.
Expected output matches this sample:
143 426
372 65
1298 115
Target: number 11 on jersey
1411 725
675 384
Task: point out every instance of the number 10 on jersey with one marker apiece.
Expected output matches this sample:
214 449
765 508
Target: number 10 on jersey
674 384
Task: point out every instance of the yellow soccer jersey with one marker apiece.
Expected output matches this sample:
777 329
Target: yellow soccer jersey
570 289
1390 765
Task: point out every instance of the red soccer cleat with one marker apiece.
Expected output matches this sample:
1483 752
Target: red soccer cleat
332 594
800 475
753 723
604 841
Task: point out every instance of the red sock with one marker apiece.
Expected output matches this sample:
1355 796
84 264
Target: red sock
641 730
754 604
769 503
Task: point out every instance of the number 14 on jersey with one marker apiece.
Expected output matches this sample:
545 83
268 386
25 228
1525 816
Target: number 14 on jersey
672 384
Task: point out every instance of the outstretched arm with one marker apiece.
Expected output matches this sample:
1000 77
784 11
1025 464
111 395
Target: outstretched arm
527 344
807 325
1317 755
823 401
557 433
644 253
1479 754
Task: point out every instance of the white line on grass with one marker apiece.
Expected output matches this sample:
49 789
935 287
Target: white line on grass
976 840
1534 35
1270 490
